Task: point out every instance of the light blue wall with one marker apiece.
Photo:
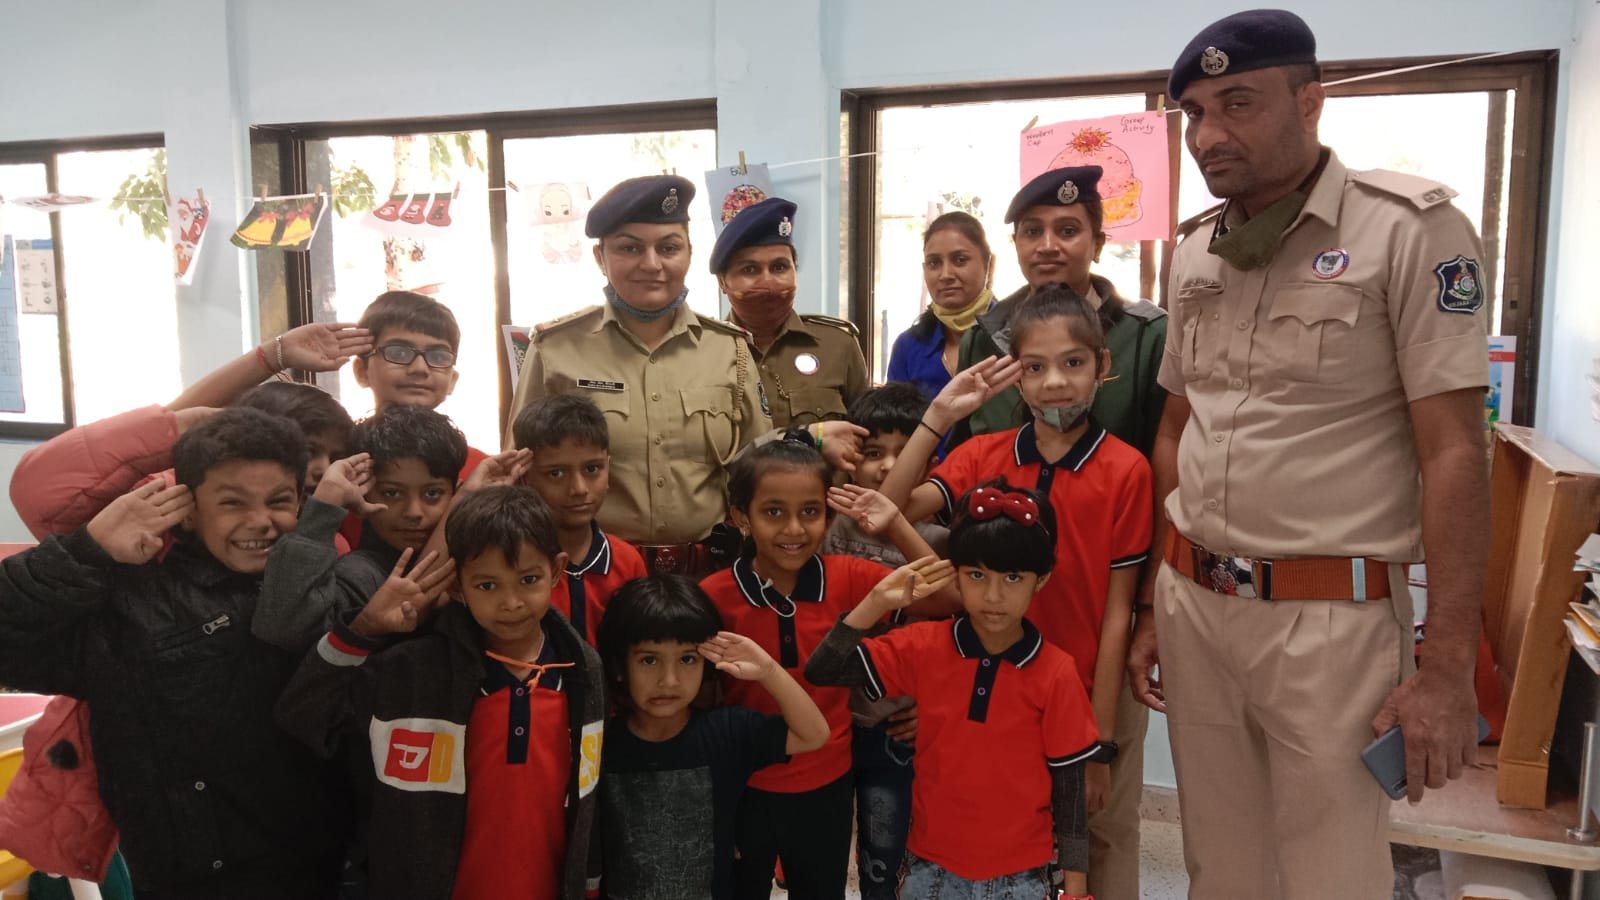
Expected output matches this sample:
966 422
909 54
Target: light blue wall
201 71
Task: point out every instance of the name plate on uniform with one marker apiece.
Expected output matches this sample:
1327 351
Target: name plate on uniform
594 384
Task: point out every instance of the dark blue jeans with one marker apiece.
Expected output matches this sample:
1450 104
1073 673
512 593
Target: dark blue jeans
883 770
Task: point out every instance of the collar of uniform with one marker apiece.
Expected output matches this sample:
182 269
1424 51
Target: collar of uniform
808 588
794 325
1019 654
684 319
599 554
1025 448
994 320
1327 194
496 676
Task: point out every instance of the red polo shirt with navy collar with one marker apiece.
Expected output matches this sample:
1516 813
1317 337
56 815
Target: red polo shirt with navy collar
790 628
989 728
1101 494
587 587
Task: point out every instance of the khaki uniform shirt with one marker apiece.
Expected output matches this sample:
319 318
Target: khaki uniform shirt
1299 373
813 370
677 414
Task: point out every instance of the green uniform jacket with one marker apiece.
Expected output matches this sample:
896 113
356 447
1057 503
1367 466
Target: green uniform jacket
1129 403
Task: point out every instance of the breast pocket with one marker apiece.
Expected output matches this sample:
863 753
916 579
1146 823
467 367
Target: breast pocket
807 405
708 420
1199 315
1311 332
614 404
191 664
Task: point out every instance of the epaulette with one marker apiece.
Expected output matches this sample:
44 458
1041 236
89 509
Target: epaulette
722 325
1423 193
1143 309
1190 225
561 322
844 325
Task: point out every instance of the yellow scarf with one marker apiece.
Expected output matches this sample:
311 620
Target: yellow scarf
959 320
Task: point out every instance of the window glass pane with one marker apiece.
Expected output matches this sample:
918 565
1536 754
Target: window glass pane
352 262
39 335
963 156
552 266
122 315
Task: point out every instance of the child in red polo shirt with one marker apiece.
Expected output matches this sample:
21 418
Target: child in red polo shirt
1005 720
1087 609
784 596
485 729
570 467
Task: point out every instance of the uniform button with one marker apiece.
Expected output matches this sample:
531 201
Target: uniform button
1212 504
658 439
652 361
1243 325
986 663
521 691
983 692
661 482
1236 383
788 639
1218 437
1215 316
655 396
216 864
521 731
199 785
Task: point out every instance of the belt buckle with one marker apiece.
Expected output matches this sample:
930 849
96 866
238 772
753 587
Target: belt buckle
1233 576
667 560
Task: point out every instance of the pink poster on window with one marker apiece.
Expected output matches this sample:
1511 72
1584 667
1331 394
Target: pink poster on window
1131 149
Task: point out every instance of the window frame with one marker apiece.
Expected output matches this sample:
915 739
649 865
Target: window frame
1524 206
286 146
46 153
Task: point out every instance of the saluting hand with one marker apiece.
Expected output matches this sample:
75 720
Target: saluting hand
131 527
970 388
738 655
912 582
345 484
405 597
841 444
866 507
501 469
320 346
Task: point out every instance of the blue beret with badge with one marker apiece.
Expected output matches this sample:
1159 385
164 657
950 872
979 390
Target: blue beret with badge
650 200
1243 42
1057 187
758 225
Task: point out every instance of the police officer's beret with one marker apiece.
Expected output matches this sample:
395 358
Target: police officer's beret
1057 187
651 200
1243 42
769 222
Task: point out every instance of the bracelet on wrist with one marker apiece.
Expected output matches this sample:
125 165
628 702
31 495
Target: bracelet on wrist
816 434
279 342
931 430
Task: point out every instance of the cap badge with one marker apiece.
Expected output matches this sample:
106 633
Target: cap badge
670 204
785 227
806 364
1067 193
1213 61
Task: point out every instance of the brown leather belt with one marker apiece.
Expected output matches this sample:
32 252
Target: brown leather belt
1313 578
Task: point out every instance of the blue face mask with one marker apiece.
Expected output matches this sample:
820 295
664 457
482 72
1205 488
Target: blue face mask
1066 418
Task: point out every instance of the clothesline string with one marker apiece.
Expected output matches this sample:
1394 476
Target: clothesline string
511 186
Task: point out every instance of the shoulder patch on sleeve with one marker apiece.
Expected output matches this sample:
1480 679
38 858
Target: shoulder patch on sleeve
841 324
1460 285
561 322
1421 192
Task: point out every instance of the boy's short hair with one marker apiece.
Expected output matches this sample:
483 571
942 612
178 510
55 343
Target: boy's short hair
894 408
549 420
239 433
312 408
411 311
412 432
504 516
654 608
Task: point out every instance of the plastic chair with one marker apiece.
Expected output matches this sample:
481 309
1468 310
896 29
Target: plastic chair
12 869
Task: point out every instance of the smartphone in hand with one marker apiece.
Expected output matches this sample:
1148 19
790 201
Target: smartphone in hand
1385 758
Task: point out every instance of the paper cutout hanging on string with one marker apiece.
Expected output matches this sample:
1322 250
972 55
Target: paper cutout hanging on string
418 215
1135 188
283 223
557 209
517 342
11 399
187 220
36 276
52 202
733 188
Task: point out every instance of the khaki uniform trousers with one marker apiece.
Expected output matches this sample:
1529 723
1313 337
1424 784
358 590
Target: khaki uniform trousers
1269 706
1114 830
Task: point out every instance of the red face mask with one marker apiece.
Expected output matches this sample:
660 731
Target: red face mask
762 310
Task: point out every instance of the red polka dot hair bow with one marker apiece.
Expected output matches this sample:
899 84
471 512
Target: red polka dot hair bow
986 503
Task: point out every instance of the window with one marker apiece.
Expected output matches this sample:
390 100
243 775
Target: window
102 273
514 251
1483 128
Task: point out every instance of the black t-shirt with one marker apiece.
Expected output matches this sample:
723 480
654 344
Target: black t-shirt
667 809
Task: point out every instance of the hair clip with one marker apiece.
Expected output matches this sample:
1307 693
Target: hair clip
986 503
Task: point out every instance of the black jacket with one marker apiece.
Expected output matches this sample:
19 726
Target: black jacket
429 683
212 799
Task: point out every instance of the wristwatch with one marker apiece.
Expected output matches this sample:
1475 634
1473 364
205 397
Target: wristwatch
1104 752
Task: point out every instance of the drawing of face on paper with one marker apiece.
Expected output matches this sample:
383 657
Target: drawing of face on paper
558 201
733 188
1119 187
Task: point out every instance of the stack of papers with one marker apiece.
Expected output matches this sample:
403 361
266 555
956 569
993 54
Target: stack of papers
1583 619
